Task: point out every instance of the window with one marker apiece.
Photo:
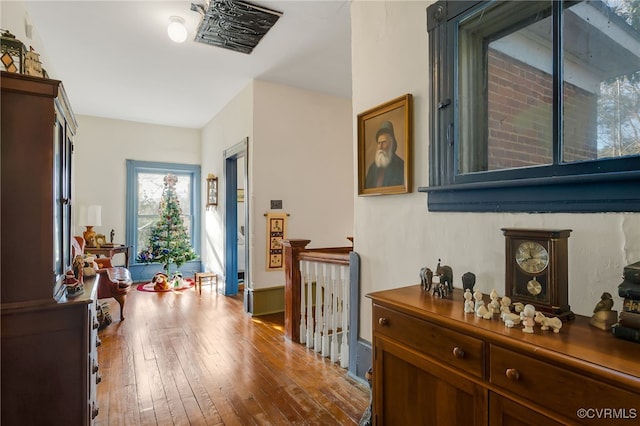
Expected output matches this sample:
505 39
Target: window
145 184
535 106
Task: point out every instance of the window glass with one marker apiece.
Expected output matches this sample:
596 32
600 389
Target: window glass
505 88
601 87
150 190
147 185
535 106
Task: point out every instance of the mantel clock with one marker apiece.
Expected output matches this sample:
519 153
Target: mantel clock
537 269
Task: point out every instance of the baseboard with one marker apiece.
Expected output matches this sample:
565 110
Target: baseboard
264 301
362 361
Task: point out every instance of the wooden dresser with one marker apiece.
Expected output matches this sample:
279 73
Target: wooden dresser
49 365
435 365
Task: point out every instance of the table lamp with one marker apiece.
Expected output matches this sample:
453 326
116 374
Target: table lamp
91 217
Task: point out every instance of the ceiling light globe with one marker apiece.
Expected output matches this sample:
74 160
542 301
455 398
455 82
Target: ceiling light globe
176 29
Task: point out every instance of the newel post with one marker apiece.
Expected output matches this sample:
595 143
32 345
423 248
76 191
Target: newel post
292 249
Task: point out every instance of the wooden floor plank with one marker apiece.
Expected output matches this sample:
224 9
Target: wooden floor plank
184 359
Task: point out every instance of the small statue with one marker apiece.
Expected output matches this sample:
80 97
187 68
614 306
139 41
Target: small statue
446 275
477 295
494 305
605 303
111 235
510 319
479 307
483 312
439 288
468 280
603 317
518 307
426 278
527 317
548 322
468 302
505 305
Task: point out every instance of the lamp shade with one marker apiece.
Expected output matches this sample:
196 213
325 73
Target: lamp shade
90 215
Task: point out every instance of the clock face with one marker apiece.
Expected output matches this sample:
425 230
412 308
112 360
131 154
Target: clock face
532 257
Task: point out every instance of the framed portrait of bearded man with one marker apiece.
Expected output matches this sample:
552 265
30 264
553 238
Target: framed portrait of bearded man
384 148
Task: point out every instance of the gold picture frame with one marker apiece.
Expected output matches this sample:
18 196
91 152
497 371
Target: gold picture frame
212 191
101 240
385 143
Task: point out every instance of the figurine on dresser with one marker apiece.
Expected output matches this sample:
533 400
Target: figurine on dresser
494 305
547 323
468 302
527 317
603 317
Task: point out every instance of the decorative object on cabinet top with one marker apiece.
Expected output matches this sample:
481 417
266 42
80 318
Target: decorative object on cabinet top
12 53
440 283
537 269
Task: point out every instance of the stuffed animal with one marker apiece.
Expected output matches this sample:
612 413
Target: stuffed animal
176 280
89 265
160 281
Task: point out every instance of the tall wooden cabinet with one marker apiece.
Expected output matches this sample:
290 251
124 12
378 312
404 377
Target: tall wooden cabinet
48 344
434 364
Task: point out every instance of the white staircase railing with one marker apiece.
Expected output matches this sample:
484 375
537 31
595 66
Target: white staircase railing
324 309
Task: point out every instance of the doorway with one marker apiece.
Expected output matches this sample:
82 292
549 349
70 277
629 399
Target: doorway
237 220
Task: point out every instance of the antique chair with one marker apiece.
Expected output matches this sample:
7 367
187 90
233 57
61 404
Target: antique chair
114 281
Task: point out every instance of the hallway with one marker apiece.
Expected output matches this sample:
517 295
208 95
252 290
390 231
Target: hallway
185 359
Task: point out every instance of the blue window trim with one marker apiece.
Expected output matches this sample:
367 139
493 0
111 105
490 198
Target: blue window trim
141 271
610 185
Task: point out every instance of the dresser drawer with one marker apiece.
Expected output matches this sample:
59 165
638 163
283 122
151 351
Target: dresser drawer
554 387
462 352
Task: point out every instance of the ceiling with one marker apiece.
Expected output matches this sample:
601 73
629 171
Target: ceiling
116 60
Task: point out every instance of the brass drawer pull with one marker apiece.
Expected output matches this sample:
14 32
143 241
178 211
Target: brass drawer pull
512 374
383 321
458 352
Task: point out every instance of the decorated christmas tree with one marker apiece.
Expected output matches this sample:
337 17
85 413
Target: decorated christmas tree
169 241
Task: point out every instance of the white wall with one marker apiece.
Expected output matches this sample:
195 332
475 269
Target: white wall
300 153
395 235
102 147
229 127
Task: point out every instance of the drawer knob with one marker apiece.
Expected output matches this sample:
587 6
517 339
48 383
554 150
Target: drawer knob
382 321
512 374
458 352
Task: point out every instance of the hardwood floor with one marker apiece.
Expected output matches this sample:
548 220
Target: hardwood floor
184 359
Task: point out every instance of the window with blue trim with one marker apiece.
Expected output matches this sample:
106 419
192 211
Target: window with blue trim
145 184
535 106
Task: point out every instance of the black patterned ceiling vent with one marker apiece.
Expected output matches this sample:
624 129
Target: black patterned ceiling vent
234 25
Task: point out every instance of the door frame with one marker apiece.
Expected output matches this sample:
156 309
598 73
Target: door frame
238 152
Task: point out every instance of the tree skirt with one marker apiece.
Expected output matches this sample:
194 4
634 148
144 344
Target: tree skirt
188 283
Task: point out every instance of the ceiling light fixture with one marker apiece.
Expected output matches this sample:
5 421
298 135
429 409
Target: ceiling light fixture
176 29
